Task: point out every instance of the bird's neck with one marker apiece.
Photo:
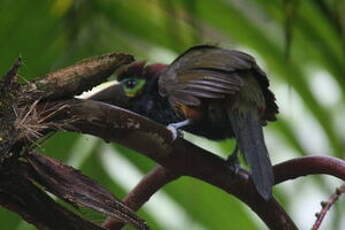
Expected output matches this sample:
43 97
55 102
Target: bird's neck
152 105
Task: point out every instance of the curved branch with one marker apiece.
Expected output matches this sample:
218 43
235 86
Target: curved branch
180 156
326 205
149 185
309 165
284 171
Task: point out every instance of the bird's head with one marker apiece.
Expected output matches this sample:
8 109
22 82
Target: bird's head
139 78
137 90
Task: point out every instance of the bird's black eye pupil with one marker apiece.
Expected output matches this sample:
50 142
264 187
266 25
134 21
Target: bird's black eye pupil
130 83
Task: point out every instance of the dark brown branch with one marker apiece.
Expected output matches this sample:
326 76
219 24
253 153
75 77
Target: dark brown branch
72 186
155 141
10 76
23 120
20 195
8 94
284 171
142 192
326 205
131 130
73 80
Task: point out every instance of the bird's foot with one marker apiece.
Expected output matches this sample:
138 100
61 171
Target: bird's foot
174 128
175 132
233 163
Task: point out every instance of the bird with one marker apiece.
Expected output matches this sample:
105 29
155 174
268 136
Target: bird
211 92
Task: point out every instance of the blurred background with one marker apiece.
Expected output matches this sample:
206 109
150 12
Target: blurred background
299 43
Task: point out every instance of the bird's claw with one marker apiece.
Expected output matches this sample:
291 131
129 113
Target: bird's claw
235 168
174 131
234 163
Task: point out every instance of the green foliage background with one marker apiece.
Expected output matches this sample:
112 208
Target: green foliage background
300 43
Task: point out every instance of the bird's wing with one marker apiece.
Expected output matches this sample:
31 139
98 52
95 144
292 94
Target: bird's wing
204 72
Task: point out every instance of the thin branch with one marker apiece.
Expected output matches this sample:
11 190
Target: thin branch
326 205
149 185
143 191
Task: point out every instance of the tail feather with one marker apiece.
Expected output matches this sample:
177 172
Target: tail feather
249 135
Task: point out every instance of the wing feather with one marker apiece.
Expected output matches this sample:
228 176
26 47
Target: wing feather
184 98
207 83
211 72
215 84
199 93
209 88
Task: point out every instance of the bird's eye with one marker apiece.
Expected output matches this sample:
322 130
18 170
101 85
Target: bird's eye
133 86
130 83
